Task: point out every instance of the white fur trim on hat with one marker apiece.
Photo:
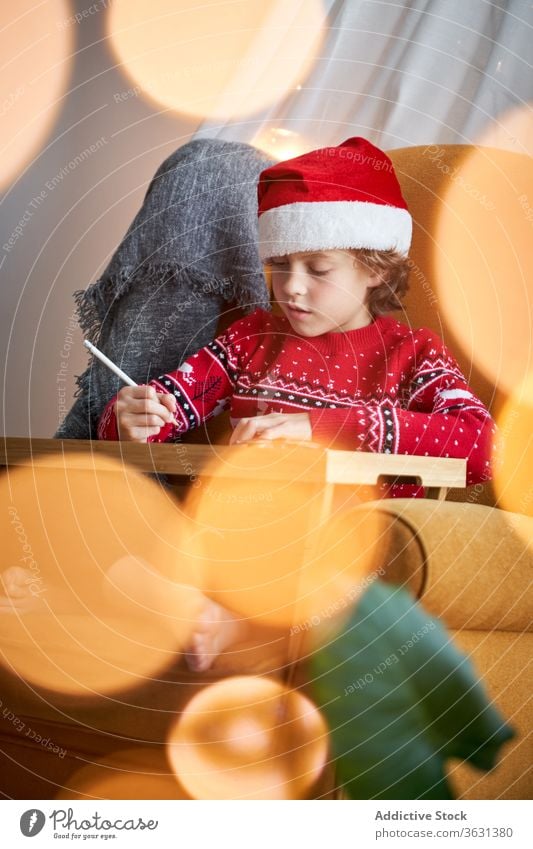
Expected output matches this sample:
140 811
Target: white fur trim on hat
333 225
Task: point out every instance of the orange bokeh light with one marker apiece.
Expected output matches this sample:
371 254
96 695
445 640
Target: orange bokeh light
248 738
280 144
272 551
113 591
219 61
35 45
483 263
128 774
514 461
512 130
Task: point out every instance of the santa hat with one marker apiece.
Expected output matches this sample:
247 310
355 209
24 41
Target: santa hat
333 198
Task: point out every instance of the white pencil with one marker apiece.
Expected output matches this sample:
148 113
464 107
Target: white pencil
114 368
109 363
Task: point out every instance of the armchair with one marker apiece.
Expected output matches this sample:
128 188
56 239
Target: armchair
469 561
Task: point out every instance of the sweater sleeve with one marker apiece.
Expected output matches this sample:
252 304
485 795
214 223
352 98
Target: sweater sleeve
202 386
437 416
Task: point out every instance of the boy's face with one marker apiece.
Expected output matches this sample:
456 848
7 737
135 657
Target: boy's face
323 291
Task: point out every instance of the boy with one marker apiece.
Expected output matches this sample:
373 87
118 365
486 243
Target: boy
335 230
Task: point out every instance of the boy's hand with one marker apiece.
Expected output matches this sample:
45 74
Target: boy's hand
295 426
17 590
142 412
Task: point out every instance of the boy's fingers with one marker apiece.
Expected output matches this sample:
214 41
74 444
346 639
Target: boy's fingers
168 401
154 403
141 434
14 579
243 432
143 391
144 406
15 589
14 573
150 420
271 426
248 429
144 419
275 431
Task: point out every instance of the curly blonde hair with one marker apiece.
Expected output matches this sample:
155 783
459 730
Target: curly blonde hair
393 268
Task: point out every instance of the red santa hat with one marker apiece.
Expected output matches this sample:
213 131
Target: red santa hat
333 198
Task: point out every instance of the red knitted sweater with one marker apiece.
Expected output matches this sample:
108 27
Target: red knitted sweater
383 388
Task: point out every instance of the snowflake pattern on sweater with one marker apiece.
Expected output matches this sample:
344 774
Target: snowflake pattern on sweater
384 388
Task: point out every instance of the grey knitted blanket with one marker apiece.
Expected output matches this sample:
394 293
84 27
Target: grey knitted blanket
190 253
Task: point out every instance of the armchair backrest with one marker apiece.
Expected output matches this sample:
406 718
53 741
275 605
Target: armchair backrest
473 227
472 261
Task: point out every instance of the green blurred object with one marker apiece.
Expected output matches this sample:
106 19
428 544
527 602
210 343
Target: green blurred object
400 699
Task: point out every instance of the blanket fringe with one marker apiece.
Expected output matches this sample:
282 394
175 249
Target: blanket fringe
94 304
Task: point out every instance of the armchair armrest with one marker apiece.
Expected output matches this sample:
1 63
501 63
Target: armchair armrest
472 565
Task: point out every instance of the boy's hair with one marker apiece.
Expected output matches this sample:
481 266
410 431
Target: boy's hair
393 268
